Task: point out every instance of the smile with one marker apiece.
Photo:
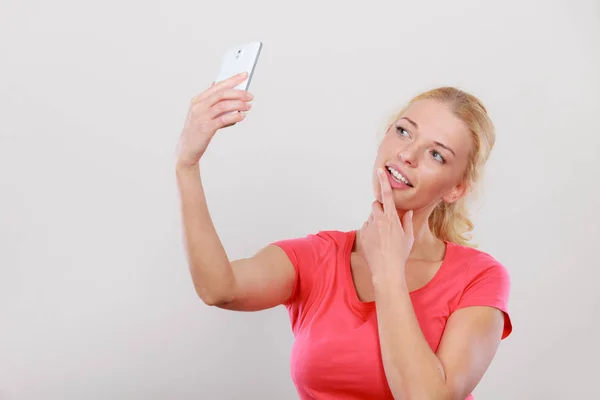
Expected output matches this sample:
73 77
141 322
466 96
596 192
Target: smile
398 176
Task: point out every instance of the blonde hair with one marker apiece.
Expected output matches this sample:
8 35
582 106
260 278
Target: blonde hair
451 221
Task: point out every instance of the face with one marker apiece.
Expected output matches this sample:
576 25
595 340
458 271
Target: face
424 154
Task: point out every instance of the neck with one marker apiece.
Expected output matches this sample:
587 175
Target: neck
426 247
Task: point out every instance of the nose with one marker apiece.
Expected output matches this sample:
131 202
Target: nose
408 155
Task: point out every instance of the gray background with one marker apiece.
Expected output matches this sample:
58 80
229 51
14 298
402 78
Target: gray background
95 296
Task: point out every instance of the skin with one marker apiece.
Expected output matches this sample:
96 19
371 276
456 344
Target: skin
399 253
436 174
395 252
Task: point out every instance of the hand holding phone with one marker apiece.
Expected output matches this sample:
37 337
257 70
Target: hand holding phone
219 106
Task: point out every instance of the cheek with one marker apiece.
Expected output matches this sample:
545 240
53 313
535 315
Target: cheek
435 183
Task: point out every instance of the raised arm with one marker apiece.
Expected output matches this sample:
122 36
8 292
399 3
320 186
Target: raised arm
258 282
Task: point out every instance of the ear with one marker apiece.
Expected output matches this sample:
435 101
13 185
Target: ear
458 192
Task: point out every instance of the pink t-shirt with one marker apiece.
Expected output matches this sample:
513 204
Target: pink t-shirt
336 352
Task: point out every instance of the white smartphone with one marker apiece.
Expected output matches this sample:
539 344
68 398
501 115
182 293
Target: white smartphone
239 59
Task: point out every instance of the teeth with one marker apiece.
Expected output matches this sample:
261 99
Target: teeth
398 176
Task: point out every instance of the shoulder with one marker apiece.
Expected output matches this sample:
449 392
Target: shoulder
487 282
312 247
320 240
478 263
310 255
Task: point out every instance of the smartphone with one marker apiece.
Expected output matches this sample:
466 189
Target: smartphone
239 59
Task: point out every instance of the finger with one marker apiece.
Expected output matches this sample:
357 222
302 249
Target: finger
376 209
226 106
407 222
226 120
228 83
362 232
371 218
387 196
229 94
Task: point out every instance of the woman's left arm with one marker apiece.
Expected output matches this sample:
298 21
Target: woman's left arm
472 333
413 370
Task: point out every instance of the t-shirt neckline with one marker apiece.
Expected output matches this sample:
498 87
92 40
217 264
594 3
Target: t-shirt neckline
350 239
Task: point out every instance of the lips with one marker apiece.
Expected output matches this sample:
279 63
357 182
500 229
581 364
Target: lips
399 175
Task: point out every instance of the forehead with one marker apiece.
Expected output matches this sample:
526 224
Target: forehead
437 122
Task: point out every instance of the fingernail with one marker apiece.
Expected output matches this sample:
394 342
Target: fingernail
242 73
249 95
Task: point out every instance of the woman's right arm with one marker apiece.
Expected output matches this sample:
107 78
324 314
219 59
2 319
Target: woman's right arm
262 281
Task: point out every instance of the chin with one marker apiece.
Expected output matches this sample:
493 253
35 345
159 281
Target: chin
400 204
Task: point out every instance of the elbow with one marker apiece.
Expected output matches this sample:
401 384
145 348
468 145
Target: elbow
423 395
210 298
213 292
436 391
212 301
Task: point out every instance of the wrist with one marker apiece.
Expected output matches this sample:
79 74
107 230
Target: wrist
392 278
186 174
184 167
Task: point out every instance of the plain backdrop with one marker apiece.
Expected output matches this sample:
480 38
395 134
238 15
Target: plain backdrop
96 301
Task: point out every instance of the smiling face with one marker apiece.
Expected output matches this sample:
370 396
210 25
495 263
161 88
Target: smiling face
425 154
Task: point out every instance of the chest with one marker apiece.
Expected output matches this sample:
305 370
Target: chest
336 352
339 356
417 274
340 365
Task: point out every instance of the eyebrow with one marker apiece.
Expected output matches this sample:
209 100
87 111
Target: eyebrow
436 143
411 121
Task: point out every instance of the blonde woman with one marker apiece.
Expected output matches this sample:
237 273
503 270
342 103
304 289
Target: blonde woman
402 308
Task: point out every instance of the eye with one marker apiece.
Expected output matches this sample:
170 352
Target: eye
438 157
402 132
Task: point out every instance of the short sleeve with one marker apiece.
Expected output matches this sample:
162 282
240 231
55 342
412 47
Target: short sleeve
303 253
488 284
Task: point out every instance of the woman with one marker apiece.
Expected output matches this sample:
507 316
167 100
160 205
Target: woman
403 308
